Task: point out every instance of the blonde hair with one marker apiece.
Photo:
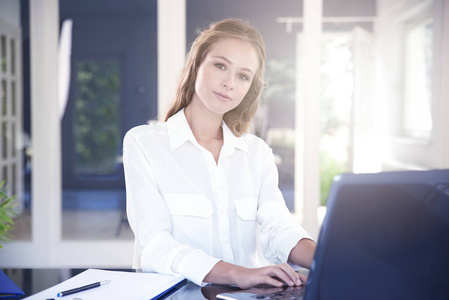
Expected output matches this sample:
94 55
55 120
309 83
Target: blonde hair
238 119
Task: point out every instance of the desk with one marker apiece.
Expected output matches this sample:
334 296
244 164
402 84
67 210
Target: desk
32 281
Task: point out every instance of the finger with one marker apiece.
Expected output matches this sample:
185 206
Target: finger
283 276
294 276
272 281
303 278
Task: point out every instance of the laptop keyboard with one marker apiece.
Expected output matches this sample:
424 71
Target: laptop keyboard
289 293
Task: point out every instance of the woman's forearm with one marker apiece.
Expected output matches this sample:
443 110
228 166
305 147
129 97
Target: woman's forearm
276 275
302 253
222 273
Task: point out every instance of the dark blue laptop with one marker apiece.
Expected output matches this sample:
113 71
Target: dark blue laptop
385 236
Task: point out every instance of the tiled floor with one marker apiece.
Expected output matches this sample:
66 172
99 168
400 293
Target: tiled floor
81 225
86 215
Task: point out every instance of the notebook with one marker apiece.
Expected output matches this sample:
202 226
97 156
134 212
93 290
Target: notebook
385 236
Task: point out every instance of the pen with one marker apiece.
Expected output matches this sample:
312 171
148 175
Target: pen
82 288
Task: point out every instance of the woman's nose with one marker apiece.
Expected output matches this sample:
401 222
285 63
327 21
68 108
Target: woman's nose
228 81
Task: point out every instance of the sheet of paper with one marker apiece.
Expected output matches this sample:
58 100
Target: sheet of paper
123 285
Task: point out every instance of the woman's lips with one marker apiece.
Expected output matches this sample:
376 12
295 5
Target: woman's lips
222 97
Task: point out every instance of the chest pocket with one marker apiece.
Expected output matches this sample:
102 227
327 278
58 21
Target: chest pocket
246 208
191 217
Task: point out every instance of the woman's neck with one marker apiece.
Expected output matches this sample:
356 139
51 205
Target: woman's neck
206 128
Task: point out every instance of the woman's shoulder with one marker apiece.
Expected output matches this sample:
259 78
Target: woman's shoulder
255 142
252 138
152 128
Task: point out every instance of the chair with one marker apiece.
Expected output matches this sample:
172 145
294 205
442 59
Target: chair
136 258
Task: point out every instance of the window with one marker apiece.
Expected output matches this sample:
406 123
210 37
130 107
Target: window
417 116
10 116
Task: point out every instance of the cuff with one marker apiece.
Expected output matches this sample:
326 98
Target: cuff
289 241
195 266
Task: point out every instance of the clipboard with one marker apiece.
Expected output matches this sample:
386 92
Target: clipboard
123 285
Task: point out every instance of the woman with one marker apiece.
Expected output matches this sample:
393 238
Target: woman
202 194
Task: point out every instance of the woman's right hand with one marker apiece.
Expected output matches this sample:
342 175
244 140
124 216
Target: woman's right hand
275 275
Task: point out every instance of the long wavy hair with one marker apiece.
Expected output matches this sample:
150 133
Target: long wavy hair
239 118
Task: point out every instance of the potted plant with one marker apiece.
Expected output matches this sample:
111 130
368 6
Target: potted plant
6 212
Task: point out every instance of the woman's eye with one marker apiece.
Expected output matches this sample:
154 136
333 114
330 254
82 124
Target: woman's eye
243 76
221 66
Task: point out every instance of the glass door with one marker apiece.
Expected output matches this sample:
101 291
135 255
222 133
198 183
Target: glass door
93 195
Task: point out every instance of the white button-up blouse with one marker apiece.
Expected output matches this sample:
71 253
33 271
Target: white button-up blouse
188 212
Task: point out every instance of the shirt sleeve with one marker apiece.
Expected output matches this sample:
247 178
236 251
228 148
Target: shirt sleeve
150 220
279 230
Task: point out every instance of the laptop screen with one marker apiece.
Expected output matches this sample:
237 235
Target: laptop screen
385 236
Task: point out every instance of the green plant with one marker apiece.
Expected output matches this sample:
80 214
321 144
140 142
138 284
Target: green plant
329 168
97 122
6 212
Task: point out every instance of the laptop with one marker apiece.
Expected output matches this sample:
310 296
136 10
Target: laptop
385 236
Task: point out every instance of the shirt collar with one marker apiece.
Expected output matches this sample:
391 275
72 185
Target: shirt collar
231 141
179 132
